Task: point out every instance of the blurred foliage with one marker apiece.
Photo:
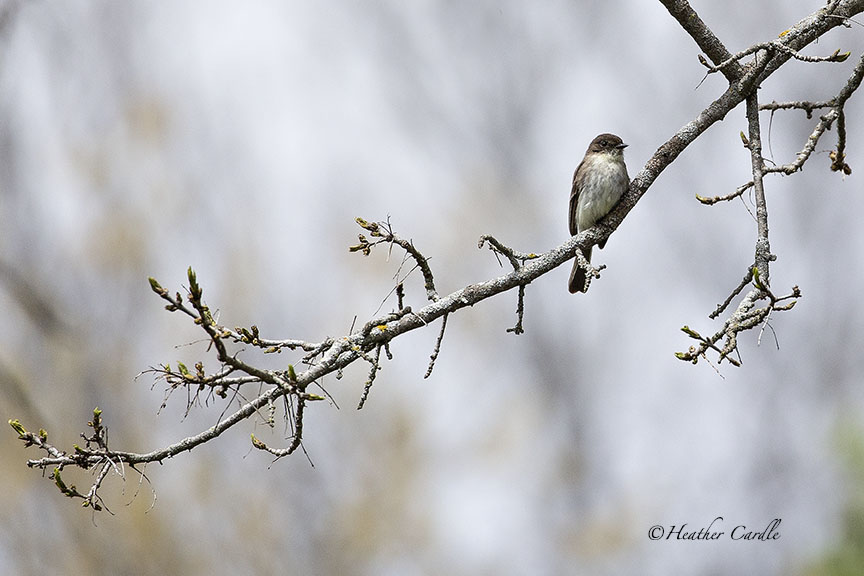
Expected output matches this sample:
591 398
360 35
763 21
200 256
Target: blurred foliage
846 558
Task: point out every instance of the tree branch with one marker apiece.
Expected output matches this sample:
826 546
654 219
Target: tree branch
747 315
331 355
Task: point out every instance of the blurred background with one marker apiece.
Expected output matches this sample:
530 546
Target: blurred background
140 138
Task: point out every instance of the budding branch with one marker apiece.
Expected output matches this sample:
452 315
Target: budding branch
296 388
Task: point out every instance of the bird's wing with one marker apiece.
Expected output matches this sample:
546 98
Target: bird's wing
574 201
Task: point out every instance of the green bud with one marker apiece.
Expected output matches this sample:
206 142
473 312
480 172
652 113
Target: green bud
59 481
837 57
258 443
156 287
183 370
16 425
690 332
195 290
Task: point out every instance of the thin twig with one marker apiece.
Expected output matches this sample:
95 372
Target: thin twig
437 349
373 372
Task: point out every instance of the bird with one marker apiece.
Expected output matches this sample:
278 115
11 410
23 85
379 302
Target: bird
598 184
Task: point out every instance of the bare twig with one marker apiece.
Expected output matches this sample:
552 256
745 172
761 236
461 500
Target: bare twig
802 156
515 257
437 349
373 372
384 231
808 107
714 200
774 45
520 312
721 307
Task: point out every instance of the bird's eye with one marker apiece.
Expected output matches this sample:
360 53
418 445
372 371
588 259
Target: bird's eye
604 143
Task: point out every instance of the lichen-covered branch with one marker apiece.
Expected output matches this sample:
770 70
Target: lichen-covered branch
248 392
748 315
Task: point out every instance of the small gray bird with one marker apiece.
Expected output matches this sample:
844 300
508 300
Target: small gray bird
598 184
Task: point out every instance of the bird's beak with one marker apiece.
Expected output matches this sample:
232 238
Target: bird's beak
622 146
